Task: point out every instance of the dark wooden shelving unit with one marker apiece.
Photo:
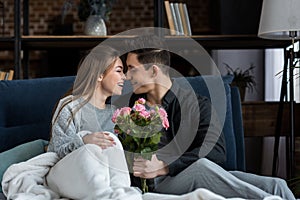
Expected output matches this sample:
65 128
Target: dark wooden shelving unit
27 42
259 119
7 43
207 41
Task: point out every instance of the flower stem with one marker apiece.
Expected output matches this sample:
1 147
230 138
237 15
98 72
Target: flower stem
144 185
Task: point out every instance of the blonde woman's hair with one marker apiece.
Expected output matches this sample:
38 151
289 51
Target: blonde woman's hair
96 63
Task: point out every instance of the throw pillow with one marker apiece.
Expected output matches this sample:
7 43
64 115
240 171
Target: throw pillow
20 153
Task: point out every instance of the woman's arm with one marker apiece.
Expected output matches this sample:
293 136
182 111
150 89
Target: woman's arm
65 136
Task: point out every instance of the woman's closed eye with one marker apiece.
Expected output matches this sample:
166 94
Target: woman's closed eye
119 69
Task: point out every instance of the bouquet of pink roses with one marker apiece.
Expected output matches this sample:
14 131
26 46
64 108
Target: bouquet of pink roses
139 129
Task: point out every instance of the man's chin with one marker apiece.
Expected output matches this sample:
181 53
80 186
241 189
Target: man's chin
138 90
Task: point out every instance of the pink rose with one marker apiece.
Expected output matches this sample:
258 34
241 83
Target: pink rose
141 101
144 114
165 123
115 115
164 117
139 107
125 111
162 113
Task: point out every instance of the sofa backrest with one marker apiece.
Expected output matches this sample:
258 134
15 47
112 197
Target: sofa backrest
26 108
220 92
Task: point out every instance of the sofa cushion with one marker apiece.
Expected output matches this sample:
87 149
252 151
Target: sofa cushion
16 135
19 154
27 106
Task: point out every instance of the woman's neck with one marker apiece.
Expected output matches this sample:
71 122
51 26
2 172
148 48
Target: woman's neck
98 100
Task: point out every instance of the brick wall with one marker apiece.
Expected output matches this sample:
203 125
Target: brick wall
45 19
126 14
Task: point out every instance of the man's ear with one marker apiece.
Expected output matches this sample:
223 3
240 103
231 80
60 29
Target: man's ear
155 70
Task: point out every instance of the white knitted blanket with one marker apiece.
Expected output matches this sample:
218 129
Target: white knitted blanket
87 173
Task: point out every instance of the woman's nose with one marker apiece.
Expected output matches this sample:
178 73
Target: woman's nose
124 77
127 76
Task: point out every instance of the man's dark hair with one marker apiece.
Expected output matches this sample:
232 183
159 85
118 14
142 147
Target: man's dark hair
150 49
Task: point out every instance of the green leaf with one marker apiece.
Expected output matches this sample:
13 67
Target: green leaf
156 138
146 153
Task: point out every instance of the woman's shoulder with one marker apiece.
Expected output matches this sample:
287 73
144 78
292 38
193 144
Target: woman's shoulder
66 105
68 101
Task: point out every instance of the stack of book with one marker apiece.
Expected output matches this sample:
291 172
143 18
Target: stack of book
178 18
6 75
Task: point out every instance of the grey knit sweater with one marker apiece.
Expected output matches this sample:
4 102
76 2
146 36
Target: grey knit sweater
67 135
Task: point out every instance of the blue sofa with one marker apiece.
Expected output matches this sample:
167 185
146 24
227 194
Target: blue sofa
26 107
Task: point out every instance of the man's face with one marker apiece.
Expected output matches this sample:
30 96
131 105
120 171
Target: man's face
140 78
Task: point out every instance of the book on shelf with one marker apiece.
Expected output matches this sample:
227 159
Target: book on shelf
186 14
170 18
6 75
174 18
2 75
179 20
10 75
182 15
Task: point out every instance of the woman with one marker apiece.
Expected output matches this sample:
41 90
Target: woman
83 117
92 161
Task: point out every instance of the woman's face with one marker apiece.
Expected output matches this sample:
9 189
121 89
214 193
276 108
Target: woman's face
113 80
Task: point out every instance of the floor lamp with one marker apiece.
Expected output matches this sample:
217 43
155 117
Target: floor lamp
280 20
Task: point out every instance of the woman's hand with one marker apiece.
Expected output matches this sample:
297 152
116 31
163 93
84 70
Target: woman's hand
102 139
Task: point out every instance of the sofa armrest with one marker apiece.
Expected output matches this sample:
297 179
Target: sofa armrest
238 128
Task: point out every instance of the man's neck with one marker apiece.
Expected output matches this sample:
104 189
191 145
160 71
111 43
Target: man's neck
156 95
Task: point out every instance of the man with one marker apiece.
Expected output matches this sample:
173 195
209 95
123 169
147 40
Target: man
194 143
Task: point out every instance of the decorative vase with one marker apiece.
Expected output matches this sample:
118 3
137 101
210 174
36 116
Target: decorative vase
95 25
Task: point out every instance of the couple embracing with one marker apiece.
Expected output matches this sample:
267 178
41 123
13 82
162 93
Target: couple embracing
82 128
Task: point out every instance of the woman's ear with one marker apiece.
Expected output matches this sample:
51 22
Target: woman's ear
100 78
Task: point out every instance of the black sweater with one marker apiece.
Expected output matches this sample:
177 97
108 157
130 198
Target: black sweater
194 130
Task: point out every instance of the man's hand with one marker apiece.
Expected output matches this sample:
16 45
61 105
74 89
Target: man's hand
149 168
102 139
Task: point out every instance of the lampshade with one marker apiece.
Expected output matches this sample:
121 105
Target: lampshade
278 18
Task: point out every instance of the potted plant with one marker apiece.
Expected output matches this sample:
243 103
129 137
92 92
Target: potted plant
243 79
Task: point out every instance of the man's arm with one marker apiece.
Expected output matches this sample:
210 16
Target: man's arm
208 141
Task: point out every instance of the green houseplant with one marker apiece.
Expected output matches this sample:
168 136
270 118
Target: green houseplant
243 79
